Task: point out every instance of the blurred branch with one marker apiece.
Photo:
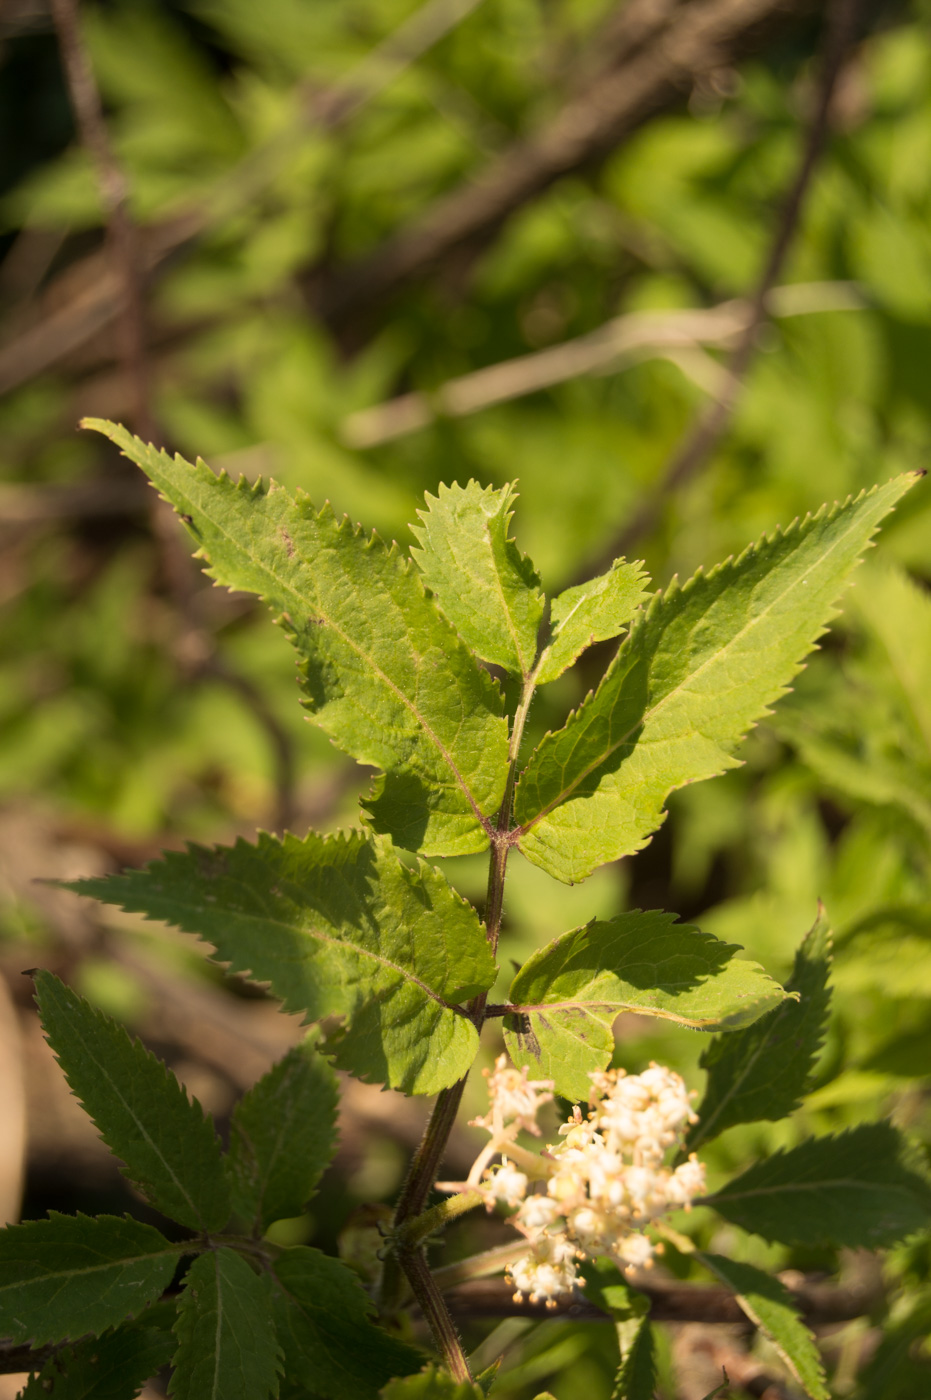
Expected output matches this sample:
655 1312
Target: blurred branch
702 438
640 335
666 50
671 1301
122 234
101 294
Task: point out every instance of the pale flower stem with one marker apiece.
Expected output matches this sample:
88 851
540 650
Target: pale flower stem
536 1167
484 1265
418 1229
682 1242
480 1163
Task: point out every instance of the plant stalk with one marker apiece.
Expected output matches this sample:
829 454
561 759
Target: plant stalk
425 1165
434 1309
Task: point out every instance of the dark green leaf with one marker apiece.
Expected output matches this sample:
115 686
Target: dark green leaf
852 1190
763 1072
383 671
68 1275
140 1110
485 586
699 668
283 1134
111 1367
770 1306
227 1348
636 1379
571 992
322 1317
337 926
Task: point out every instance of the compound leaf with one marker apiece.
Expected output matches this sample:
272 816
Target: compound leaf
854 1190
227 1349
485 586
336 926
72 1274
111 1367
384 674
569 993
764 1070
166 1141
770 1306
282 1136
591 612
700 666
322 1317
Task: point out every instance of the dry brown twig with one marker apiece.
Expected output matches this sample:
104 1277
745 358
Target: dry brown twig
101 294
656 54
662 56
639 335
122 234
701 439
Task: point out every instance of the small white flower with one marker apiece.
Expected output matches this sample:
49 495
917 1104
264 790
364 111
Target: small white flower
686 1182
546 1272
634 1252
515 1098
507 1184
536 1213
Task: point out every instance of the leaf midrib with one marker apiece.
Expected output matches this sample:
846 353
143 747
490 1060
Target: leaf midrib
61 1276
117 1093
301 605
340 943
674 694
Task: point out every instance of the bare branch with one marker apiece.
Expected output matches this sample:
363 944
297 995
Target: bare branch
670 1301
114 191
59 333
637 336
696 40
701 440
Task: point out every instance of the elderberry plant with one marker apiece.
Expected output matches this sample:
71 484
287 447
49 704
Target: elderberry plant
394 655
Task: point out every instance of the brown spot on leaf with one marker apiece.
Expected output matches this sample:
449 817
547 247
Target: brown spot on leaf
519 1024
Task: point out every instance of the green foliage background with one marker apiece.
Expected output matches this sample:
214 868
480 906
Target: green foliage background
118 716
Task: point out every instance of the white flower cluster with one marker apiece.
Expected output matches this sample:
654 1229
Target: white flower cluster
598 1189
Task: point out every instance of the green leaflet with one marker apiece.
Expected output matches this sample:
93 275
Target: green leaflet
636 1379
897 612
770 1306
322 1318
591 612
700 666
140 1110
283 1134
764 1070
489 591
570 992
606 1287
431 1384
336 926
227 1349
852 1190
383 672
71 1274
111 1367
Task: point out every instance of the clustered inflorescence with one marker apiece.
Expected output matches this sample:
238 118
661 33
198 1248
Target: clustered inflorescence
597 1190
